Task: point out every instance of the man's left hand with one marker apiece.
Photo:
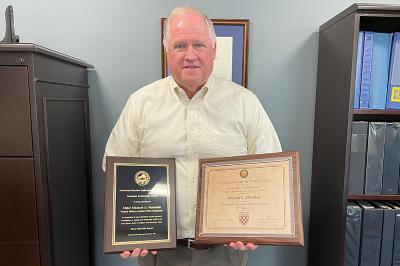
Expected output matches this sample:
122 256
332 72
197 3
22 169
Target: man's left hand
240 246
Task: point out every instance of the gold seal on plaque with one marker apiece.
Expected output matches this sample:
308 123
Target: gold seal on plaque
142 178
244 173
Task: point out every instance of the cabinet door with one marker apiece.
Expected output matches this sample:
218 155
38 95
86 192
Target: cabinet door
15 122
19 254
18 221
67 173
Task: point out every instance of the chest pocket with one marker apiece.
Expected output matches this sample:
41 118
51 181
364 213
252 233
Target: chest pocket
218 144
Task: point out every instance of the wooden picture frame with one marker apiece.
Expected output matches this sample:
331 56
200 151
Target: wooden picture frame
252 198
139 199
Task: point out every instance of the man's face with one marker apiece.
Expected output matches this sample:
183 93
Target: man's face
191 52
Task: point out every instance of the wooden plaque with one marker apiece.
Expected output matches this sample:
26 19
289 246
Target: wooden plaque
139 204
253 198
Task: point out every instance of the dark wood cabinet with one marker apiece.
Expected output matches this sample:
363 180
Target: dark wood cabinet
15 121
334 114
45 174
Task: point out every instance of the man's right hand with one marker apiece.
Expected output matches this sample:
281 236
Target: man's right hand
136 253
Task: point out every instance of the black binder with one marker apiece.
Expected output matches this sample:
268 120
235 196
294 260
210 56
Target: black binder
396 245
353 230
374 168
396 242
359 136
371 234
391 161
389 218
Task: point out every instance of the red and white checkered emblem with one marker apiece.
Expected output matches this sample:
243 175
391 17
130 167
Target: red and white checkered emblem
243 218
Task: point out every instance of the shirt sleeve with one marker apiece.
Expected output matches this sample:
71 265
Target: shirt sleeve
124 138
261 134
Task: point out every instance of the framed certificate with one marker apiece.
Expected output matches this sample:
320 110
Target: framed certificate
139 204
232 50
254 198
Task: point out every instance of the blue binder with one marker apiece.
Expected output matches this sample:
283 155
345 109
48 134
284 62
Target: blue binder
380 70
357 87
393 93
366 69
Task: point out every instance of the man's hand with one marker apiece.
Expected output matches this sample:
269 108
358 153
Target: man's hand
136 253
239 245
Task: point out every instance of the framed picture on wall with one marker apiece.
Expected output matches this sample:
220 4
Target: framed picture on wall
232 50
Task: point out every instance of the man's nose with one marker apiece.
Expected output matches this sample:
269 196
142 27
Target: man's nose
190 53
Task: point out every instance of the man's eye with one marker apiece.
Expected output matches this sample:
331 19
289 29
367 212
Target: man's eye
199 45
179 46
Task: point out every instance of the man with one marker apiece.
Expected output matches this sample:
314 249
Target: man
188 116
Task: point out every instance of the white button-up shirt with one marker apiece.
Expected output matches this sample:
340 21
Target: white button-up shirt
160 121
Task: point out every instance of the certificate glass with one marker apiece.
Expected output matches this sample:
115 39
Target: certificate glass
139 204
253 198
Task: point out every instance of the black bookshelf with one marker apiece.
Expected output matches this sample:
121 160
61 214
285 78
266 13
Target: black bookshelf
334 115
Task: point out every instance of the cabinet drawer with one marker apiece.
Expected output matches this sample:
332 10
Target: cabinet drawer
19 254
18 221
15 122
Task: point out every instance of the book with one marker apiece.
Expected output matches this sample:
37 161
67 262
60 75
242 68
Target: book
371 234
357 87
391 159
393 93
359 135
353 232
366 69
374 164
380 70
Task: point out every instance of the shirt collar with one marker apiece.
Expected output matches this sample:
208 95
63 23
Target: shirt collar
179 93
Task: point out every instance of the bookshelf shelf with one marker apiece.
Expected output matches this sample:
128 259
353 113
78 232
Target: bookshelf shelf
377 112
373 197
376 115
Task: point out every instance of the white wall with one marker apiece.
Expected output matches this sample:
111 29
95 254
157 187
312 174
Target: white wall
121 38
